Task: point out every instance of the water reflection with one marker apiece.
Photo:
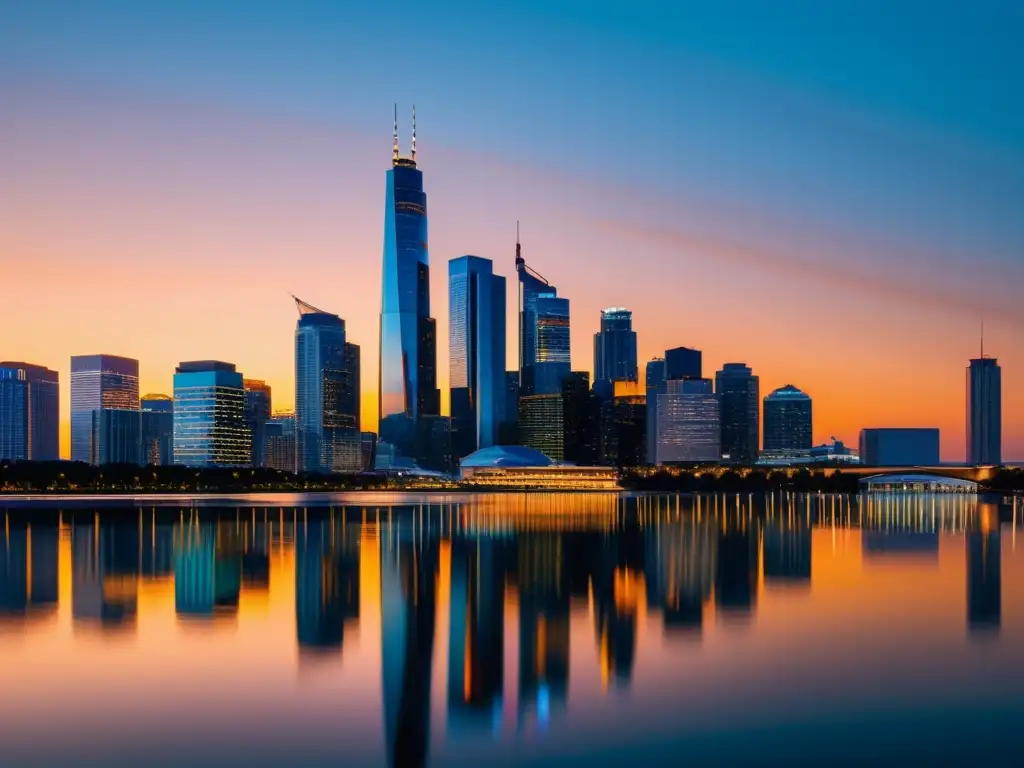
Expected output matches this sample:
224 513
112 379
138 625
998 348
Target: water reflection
491 610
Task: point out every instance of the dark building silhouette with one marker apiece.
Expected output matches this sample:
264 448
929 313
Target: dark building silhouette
684 363
739 398
984 573
736 570
157 428
581 413
615 347
899 447
787 420
29 412
257 413
787 552
507 432
984 412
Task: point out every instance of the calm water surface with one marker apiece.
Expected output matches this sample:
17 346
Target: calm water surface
514 629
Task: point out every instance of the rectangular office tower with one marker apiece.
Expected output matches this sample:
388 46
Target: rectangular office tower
615 347
29 412
739 397
476 353
257 413
984 412
99 382
117 436
326 411
157 427
899 447
688 426
209 415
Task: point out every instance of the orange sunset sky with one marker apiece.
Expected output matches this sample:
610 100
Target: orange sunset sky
155 206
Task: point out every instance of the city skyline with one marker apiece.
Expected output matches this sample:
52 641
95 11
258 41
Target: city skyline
294 192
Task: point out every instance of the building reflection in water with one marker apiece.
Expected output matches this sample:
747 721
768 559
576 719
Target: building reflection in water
736 566
207 569
476 645
28 568
984 572
256 555
105 562
543 587
680 570
326 582
408 594
787 551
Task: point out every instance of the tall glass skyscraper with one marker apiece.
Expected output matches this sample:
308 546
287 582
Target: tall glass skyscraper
326 426
984 412
655 385
209 415
29 412
257 412
476 353
543 323
739 397
408 335
615 347
157 430
788 420
97 382
684 363
117 435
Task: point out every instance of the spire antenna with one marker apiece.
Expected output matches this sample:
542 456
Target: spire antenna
519 248
394 148
983 338
414 132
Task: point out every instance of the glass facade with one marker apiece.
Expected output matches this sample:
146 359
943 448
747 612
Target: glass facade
29 412
541 424
655 385
326 424
117 435
99 381
684 363
552 330
688 428
281 442
157 431
257 412
476 343
899 447
408 345
739 396
209 416
984 412
615 347
788 420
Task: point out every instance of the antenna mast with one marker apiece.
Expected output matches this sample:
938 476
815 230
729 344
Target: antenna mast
394 148
414 133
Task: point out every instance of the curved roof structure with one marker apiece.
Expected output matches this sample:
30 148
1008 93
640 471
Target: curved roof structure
506 456
788 392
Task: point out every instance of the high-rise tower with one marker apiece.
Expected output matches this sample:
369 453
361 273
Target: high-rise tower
984 411
543 322
408 334
29 412
326 421
615 347
739 396
99 382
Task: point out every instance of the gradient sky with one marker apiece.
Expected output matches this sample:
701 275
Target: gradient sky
830 192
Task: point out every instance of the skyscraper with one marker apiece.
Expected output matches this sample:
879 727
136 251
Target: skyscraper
97 382
655 385
209 415
739 399
984 412
281 442
157 430
117 436
684 363
476 339
788 421
688 426
615 347
326 429
408 343
581 420
29 412
532 285
257 412
552 330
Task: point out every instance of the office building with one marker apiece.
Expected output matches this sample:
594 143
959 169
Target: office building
280 431
984 412
352 392
688 427
97 382
615 347
368 449
327 435
552 330
257 413
508 433
581 415
117 436
532 286
476 357
623 424
654 385
541 420
739 400
29 412
157 429
408 334
209 415
684 363
788 421
903 447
